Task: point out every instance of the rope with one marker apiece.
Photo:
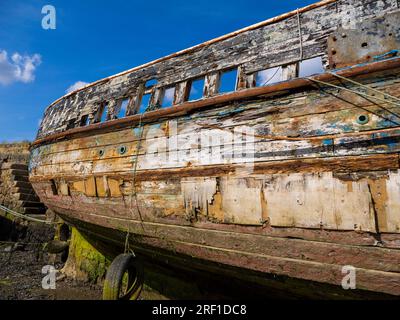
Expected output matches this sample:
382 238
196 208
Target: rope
331 136
300 34
276 71
364 86
365 96
138 146
353 91
22 216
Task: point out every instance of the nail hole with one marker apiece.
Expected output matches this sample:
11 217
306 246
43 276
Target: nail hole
101 152
364 44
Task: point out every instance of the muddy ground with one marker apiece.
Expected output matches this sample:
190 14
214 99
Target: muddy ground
21 278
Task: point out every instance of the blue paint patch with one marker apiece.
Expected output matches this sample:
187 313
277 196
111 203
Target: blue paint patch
388 122
230 112
327 142
390 54
362 64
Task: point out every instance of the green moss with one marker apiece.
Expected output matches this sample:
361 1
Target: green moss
86 258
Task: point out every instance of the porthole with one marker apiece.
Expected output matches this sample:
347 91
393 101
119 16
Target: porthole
362 119
122 150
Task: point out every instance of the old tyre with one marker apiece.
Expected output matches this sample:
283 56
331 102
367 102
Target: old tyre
124 278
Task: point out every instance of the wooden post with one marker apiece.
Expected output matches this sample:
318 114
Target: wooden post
211 86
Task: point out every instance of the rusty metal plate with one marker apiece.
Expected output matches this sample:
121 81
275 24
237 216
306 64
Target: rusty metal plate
372 39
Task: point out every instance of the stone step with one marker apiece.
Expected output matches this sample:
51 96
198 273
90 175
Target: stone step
34 210
23 190
22 173
18 166
37 216
22 184
11 165
20 178
32 204
27 196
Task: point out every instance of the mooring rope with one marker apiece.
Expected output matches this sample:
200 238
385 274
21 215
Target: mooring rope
354 91
138 146
300 34
22 216
364 86
268 80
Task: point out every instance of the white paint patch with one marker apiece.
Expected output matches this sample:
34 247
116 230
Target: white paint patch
393 202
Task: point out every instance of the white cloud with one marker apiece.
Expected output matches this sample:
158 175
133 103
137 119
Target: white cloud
20 68
77 85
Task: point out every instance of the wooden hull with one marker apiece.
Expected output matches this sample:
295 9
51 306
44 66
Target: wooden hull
171 272
304 208
298 178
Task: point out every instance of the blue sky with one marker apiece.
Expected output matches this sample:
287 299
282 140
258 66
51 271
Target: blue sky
95 39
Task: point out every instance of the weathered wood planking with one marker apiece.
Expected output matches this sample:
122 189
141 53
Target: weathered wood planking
252 50
297 256
192 182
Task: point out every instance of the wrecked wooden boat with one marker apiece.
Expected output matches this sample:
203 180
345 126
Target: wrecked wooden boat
270 152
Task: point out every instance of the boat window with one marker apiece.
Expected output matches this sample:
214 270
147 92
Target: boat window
71 123
168 98
144 103
123 108
311 66
150 83
101 114
227 82
196 89
84 120
268 76
104 113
